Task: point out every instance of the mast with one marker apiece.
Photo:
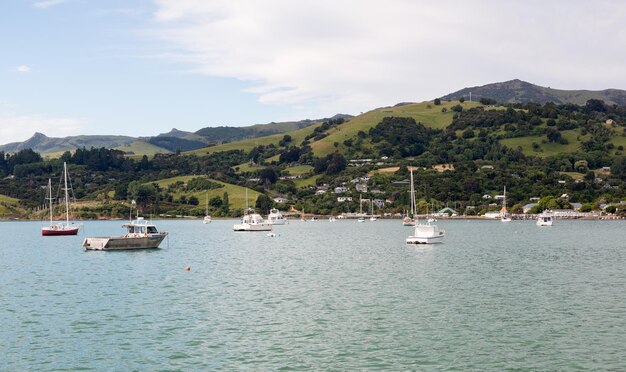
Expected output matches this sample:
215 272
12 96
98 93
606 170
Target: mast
361 204
413 204
206 204
67 205
50 197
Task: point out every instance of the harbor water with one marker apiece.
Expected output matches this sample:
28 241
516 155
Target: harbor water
319 295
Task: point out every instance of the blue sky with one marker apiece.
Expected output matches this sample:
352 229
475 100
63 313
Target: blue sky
142 67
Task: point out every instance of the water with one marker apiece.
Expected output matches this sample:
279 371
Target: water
342 296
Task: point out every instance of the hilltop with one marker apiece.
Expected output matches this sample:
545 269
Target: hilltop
518 91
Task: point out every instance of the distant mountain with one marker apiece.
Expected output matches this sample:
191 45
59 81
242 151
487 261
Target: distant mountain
518 91
44 144
168 142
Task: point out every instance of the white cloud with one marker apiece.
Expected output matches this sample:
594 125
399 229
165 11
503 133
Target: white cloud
352 55
22 68
14 128
47 3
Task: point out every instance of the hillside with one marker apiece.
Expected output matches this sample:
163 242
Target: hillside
518 91
44 144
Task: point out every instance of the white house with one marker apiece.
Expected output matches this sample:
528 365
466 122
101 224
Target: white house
280 200
340 190
342 199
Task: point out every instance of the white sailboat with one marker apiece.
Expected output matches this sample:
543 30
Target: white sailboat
504 214
252 221
409 219
60 228
207 218
372 217
361 216
425 233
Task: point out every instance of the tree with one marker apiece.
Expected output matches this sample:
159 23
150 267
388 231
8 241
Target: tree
193 200
554 135
462 99
610 209
225 203
268 175
216 202
263 204
487 101
437 102
457 108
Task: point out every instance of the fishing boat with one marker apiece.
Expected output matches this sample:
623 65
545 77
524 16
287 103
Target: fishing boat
544 219
140 234
252 221
60 228
408 219
504 214
275 217
207 218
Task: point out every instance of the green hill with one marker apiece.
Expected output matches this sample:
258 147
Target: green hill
142 148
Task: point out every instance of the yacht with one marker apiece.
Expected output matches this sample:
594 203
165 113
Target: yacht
252 221
361 216
408 220
140 234
426 234
60 228
207 218
372 217
275 217
544 219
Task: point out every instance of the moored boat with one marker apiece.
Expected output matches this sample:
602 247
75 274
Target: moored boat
140 235
60 228
252 222
426 234
275 217
544 219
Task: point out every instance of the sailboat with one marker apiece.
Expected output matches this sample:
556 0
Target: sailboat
504 214
252 221
425 233
60 228
361 217
207 218
372 217
408 220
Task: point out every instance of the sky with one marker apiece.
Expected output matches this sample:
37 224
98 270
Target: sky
143 67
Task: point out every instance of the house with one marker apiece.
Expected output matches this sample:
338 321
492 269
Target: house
487 167
576 206
379 203
361 187
280 200
320 192
486 196
341 189
342 199
447 212
528 207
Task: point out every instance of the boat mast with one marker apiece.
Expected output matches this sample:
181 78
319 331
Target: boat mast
361 204
67 205
413 203
50 197
206 204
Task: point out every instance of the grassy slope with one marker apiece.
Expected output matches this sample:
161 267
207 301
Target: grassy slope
143 148
236 194
4 200
302 169
247 145
548 149
430 117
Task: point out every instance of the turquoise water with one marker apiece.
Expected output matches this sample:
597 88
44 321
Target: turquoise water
321 295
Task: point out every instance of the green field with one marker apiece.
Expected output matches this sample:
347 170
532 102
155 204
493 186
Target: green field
7 205
303 182
301 169
236 194
425 112
143 148
547 149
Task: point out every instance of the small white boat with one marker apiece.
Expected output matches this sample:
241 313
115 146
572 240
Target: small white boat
272 235
140 235
207 218
426 234
252 222
408 221
313 219
545 219
332 219
275 217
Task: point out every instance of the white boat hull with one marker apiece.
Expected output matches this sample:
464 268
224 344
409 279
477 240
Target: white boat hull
252 227
426 234
277 222
424 239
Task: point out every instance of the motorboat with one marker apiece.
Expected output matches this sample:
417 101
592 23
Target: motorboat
252 221
275 217
545 219
361 215
60 228
426 234
140 234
